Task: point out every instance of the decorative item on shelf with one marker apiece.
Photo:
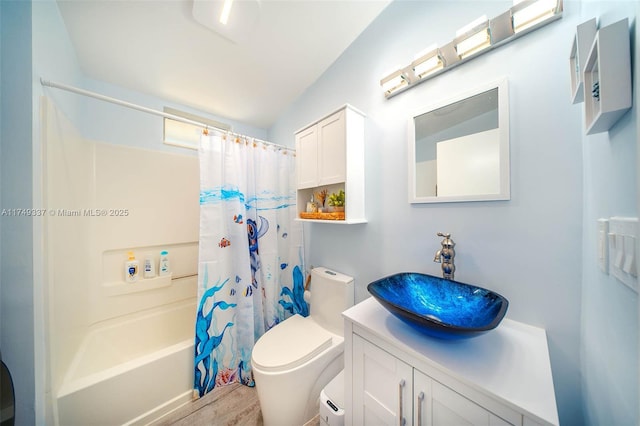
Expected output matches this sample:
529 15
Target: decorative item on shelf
595 92
336 200
320 197
311 206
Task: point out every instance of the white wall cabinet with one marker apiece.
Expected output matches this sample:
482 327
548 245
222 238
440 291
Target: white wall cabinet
395 375
330 155
332 152
307 158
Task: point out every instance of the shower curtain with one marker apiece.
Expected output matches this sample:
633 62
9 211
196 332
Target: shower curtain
251 266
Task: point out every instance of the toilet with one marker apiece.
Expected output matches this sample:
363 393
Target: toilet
296 359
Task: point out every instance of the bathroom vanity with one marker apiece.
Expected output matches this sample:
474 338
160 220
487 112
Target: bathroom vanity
396 375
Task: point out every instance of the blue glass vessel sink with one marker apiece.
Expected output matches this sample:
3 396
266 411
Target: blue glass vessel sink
438 307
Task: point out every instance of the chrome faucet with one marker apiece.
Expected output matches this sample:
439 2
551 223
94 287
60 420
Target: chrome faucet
445 256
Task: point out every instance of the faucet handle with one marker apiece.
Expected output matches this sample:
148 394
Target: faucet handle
440 234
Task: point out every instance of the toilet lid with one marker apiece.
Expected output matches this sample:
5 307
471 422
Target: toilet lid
289 344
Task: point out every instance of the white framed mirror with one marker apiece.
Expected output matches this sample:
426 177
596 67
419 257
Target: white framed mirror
459 147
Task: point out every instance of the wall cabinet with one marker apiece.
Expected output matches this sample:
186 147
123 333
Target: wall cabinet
323 148
330 155
396 376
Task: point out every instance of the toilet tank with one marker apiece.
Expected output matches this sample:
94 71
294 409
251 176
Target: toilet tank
331 294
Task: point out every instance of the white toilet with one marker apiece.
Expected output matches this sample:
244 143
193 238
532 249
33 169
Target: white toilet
297 358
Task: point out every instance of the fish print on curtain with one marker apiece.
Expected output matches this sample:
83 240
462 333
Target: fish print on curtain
250 273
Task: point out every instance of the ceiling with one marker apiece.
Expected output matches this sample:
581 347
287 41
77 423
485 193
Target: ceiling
157 47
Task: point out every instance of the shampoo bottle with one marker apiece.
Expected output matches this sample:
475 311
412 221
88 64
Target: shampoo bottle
165 269
149 267
131 269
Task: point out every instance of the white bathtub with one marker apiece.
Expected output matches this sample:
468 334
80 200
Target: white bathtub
131 372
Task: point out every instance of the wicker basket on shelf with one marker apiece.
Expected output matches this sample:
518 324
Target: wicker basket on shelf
323 215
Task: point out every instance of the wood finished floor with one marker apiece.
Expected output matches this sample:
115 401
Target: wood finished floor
232 405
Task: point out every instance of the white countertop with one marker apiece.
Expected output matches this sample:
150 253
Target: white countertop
510 363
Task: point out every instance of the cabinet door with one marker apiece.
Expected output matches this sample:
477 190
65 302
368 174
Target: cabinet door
332 151
441 406
307 158
382 386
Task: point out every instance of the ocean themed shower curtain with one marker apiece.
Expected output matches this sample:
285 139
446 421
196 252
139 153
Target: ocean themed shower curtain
251 267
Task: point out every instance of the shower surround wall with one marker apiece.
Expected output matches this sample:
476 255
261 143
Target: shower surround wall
151 202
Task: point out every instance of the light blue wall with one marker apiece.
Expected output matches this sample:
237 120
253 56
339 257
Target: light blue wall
530 248
115 124
16 267
609 345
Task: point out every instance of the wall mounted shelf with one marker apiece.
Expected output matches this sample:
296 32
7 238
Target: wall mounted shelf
143 284
582 41
607 78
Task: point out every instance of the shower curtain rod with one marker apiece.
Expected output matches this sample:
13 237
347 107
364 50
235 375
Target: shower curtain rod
150 111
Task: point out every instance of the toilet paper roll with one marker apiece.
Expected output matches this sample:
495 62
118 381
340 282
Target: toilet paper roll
307 296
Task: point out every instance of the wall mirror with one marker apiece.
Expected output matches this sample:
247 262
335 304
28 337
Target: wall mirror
459 148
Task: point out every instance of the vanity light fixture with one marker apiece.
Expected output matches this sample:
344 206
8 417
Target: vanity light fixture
480 36
473 37
394 82
428 63
527 13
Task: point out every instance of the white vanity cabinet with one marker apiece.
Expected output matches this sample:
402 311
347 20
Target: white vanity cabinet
395 375
330 155
386 389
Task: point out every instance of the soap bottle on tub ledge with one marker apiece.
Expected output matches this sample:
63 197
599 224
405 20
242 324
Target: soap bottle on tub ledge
149 267
165 267
131 268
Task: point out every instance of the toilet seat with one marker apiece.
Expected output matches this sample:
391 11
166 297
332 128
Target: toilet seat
303 338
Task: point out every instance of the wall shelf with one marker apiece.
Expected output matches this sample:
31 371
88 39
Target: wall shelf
582 41
607 78
143 284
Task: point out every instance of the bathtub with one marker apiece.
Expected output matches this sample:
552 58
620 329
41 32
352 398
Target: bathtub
132 371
